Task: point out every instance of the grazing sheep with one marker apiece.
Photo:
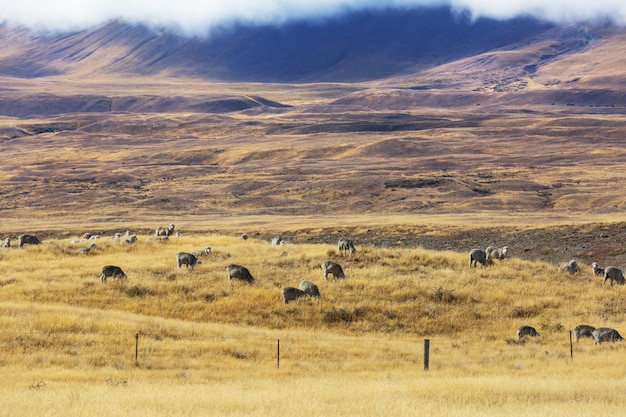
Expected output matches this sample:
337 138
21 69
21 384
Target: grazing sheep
244 236
613 274
345 246
290 293
309 288
571 267
203 252
496 253
596 269
330 267
6 243
523 331
477 256
164 231
130 240
28 239
239 272
277 241
583 330
85 251
187 259
112 271
605 334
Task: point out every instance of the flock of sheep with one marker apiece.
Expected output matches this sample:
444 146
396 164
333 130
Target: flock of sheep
191 259
610 273
21 241
346 247
599 335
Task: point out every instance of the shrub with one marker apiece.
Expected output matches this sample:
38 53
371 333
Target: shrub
441 295
336 315
136 291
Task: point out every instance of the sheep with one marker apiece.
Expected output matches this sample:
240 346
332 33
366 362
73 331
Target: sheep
244 236
277 241
330 267
496 253
583 330
605 334
6 243
164 231
290 293
111 271
477 256
596 269
130 240
523 331
187 259
239 272
85 251
345 246
28 239
571 267
613 274
203 252
309 288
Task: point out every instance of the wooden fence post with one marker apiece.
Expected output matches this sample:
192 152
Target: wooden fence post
278 354
426 353
136 349
571 346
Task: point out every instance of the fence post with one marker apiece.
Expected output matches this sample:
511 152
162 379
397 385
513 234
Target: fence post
571 346
136 349
278 354
426 353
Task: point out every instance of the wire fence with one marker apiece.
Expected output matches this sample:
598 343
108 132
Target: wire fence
328 352
197 351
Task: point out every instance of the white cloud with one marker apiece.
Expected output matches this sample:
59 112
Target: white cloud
198 16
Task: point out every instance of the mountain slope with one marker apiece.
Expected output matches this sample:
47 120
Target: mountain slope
355 47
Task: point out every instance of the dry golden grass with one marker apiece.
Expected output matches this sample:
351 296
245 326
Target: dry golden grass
210 347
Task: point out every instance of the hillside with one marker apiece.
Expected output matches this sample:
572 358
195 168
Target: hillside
443 117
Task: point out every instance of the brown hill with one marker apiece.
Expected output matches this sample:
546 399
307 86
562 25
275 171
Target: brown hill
534 126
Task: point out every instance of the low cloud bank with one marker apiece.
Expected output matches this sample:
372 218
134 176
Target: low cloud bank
195 17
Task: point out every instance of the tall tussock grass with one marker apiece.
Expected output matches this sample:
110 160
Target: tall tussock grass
424 291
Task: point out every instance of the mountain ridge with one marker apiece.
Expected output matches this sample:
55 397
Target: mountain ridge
356 47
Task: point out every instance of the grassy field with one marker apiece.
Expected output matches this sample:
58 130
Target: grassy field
207 346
